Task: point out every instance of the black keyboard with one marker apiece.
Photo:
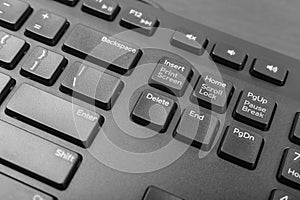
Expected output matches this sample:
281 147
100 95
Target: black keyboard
115 99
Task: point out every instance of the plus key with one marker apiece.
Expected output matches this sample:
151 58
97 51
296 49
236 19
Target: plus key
46 27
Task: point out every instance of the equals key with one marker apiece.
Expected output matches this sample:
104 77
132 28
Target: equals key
43 66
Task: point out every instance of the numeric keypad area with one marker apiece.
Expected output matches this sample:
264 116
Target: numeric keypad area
289 172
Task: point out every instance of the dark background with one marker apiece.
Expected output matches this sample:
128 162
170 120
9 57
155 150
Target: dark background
273 24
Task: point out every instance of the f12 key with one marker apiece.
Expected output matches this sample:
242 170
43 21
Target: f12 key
140 21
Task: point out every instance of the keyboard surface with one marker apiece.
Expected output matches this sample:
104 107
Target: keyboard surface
115 99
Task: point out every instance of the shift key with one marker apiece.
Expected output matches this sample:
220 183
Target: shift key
36 157
54 115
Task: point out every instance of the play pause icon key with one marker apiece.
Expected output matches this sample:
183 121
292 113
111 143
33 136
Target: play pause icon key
105 9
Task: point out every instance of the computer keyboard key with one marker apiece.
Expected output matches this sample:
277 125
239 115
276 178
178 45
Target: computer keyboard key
155 193
43 66
13 13
229 56
153 110
171 76
46 27
295 131
282 195
241 146
68 2
6 83
191 42
255 109
140 21
13 190
213 92
105 9
54 115
37 157
12 49
289 171
197 128
268 71
92 85
102 49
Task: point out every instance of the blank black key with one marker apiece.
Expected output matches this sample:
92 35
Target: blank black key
282 195
155 193
241 147
153 110
289 172
192 42
268 71
105 9
255 109
171 76
229 56
295 131
12 49
13 190
54 115
43 66
13 13
68 2
37 157
101 49
140 21
213 92
197 128
93 86
46 27
6 83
